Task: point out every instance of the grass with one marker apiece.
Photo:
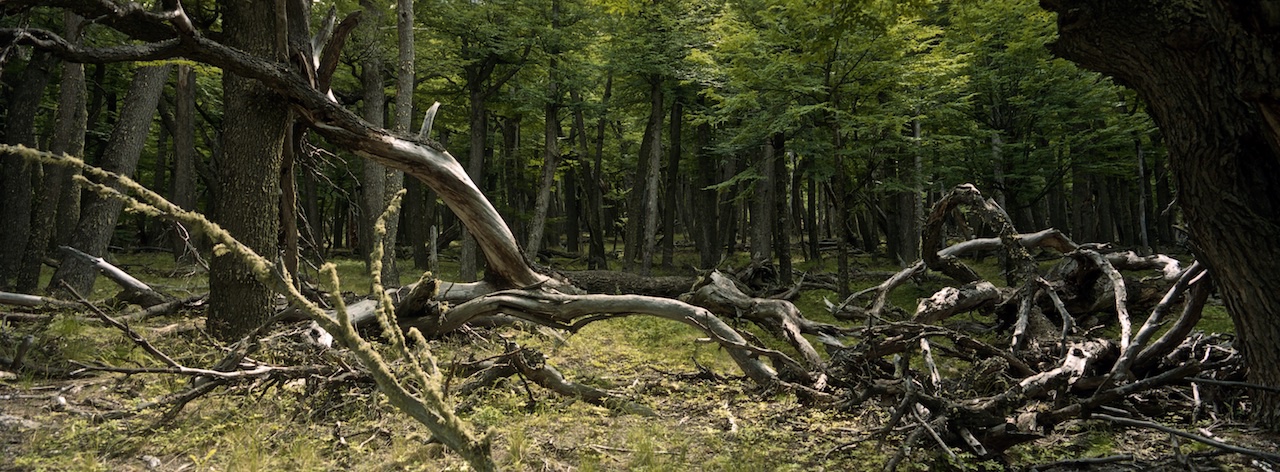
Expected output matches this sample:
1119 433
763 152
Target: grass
345 426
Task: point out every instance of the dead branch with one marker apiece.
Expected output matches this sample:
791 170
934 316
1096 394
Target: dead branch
22 299
1268 456
1191 312
135 291
133 335
717 293
1118 288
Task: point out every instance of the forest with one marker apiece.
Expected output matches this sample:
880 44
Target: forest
639 235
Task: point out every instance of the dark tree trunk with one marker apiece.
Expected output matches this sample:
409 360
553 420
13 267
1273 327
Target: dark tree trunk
68 137
1208 73
16 173
249 175
709 245
468 263
762 206
98 219
781 220
672 183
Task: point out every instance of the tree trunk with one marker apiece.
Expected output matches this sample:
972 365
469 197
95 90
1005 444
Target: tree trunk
709 246
68 137
1207 71
249 175
403 123
672 184
596 258
650 178
373 180
184 158
16 173
98 219
550 161
781 220
468 261
762 206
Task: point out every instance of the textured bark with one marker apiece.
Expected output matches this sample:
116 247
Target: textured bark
98 218
550 161
653 136
373 176
249 174
16 173
68 137
1208 72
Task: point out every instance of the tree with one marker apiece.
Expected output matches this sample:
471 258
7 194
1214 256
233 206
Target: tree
100 214
249 173
56 183
1207 72
15 180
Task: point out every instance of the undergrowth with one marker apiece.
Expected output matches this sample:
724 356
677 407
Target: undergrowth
314 424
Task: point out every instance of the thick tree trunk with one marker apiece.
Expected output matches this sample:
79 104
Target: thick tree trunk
98 219
374 177
1208 73
16 173
762 205
249 175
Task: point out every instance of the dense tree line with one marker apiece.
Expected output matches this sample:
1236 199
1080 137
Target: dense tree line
729 125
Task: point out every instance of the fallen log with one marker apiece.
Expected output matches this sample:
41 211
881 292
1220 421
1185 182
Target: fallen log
22 299
134 291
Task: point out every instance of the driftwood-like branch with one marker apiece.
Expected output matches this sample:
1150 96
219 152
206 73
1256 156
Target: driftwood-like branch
1268 456
719 294
22 299
135 291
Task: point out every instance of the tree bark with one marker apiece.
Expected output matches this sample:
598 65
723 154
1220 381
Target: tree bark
68 137
781 220
248 173
550 161
1208 73
16 173
128 136
651 175
184 158
596 258
672 183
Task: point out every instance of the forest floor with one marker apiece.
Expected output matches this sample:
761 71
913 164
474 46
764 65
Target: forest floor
704 415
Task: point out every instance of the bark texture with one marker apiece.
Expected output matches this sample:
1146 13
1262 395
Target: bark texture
16 173
249 175
1210 75
98 218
